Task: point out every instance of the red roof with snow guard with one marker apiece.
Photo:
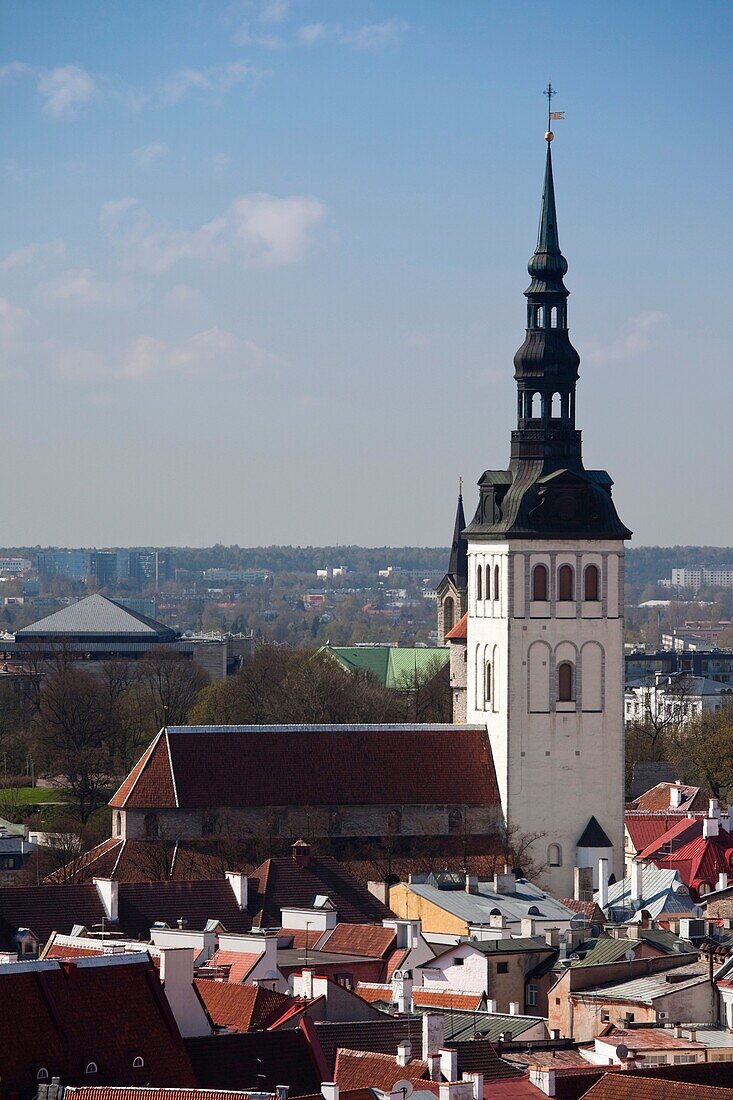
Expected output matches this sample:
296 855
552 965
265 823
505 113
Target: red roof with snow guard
698 859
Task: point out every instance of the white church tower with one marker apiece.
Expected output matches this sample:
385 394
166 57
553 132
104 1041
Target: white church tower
544 655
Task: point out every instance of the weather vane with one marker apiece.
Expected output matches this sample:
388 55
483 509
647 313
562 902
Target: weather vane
551 115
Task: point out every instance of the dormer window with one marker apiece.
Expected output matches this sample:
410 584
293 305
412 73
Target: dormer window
42 1074
138 1062
91 1068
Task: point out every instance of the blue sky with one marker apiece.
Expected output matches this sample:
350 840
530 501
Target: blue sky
262 264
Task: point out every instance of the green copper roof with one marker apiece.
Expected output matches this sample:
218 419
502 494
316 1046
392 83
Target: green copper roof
392 666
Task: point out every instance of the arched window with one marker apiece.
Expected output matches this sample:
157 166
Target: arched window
150 822
394 822
42 1074
565 682
553 317
487 682
539 316
496 582
448 614
554 855
91 1067
138 1062
565 585
592 583
536 407
555 408
455 821
479 583
118 824
539 582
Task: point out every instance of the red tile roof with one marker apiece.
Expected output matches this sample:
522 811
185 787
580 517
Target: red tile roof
371 940
240 1007
622 1086
197 768
130 1092
589 909
395 959
256 1059
382 992
378 1036
357 1069
62 1005
657 798
237 964
141 861
281 882
459 633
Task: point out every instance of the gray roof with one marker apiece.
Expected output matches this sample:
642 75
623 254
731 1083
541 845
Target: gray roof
460 1024
663 891
651 986
476 909
95 615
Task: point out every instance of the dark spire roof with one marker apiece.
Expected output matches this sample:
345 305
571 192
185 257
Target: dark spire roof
594 836
458 565
548 262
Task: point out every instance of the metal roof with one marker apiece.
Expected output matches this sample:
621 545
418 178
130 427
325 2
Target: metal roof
392 666
651 986
476 909
663 891
95 615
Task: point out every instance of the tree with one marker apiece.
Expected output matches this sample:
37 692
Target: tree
702 750
165 689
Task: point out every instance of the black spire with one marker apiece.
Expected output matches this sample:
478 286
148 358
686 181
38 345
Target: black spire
546 490
458 564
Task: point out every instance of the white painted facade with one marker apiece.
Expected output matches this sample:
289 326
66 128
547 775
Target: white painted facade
558 762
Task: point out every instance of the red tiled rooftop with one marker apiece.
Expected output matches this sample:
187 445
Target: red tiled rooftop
371 940
658 798
130 1092
240 1007
356 1069
621 1086
238 964
645 828
459 632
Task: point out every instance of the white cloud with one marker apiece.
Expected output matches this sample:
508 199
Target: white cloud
39 254
216 79
218 163
312 33
206 352
12 319
274 11
183 296
370 36
148 154
79 364
259 230
14 69
82 287
64 89
639 336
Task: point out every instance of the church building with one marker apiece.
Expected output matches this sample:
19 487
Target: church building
543 658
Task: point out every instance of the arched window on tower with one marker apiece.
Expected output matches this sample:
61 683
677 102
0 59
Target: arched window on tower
556 407
448 614
553 317
496 582
118 823
479 583
455 821
592 584
539 316
565 585
539 583
565 682
554 855
487 682
536 407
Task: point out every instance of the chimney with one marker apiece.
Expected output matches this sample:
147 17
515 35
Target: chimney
675 796
402 990
109 893
722 881
301 852
433 1034
552 937
636 882
449 1064
633 931
693 1034
710 827
306 984
677 1031
555 1034
329 1090
404 1053
281 1092
514 1008
583 883
714 809
491 1005
506 883
433 1061
182 923
477 1084
527 926
472 884
603 883
239 885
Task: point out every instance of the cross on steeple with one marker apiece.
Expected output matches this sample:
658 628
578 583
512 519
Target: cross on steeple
549 92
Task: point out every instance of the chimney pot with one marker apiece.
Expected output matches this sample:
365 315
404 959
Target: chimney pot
710 827
514 1008
301 852
404 1053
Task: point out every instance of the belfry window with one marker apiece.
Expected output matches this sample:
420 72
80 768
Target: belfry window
496 582
539 316
565 682
556 407
554 855
539 583
565 586
479 584
591 583
448 614
553 317
487 682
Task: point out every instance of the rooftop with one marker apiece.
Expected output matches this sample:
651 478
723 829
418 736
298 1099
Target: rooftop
96 617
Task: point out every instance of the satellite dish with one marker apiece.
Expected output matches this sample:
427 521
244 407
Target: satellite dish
404 1087
622 1052
629 955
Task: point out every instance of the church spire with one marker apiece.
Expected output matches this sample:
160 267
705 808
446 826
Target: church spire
458 564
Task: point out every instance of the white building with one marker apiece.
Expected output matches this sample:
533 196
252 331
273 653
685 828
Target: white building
673 700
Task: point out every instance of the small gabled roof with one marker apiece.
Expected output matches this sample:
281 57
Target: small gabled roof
594 836
96 616
459 633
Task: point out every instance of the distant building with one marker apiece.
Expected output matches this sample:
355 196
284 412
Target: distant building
675 699
151 567
74 564
391 666
13 567
702 576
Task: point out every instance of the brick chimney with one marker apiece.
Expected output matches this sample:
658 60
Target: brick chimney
301 852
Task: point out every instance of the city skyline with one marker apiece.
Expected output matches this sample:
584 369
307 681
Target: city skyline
262 273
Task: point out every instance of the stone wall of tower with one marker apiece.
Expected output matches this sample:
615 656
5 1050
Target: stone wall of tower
449 613
557 762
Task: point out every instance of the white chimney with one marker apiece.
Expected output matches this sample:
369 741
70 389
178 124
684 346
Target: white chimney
722 881
109 893
434 1067
176 976
449 1064
404 1053
675 796
305 986
527 926
402 990
281 1092
491 1005
472 884
714 808
329 1090
710 827
433 1034
514 1008
477 1084
603 883
238 883
552 937
637 888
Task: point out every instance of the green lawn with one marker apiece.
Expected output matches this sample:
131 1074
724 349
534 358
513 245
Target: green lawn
30 796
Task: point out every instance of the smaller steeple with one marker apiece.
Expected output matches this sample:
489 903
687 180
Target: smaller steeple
452 592
458 564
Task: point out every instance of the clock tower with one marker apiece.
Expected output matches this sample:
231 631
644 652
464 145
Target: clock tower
546 602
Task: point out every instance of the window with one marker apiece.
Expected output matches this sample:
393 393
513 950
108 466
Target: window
539 316
555 407
554 855
565 585
150 823
209 822
502 968
532 995
91 1067
565 683
535 409
553 317
539 583
394 822
683 1059
496 582
605 1016
138 1062
458 960
448 614
118 824
479 584
344 980
455 821
42 1074
334 822
592 583
487 682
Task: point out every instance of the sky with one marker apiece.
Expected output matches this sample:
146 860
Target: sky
262 262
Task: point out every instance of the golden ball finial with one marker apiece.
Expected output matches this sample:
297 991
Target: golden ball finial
549 136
